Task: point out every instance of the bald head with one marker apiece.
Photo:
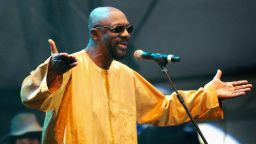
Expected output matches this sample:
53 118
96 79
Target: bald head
104 16
105 36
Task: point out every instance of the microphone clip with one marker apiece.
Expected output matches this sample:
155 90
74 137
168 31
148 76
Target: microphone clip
162 62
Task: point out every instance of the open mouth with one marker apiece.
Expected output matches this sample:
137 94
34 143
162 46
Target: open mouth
123 45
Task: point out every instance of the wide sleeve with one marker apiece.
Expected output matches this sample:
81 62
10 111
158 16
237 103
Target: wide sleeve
155 108
37 95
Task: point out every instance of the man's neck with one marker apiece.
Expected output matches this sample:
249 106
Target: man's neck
99 55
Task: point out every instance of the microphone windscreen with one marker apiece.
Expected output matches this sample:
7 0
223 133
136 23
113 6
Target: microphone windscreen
138 54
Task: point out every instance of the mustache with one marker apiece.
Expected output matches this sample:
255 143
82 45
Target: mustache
124 40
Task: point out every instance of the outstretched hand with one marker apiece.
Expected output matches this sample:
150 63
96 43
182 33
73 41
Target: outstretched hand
59 63
227 90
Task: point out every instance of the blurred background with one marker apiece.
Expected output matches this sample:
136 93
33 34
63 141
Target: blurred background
207 35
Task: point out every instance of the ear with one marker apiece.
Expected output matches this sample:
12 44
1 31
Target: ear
95 34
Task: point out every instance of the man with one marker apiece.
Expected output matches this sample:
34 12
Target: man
24 129
91 98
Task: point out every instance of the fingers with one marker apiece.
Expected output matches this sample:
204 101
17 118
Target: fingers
240 92
53 46
63 57
237 94
67 67
218 74
62 62
243 86
72 65
241 82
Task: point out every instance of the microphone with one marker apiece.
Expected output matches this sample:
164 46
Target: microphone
139 54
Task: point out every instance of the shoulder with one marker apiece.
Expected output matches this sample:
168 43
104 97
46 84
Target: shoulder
125 70
78 53
81 56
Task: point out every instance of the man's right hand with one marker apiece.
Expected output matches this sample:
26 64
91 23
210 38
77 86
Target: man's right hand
59 63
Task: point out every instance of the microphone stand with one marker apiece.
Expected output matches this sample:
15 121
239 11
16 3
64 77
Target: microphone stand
162 64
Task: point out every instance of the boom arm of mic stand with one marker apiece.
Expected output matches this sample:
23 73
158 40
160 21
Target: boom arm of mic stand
163 64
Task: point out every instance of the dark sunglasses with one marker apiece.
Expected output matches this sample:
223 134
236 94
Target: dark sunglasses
118 28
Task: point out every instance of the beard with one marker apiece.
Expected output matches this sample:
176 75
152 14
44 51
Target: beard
117 53
117 50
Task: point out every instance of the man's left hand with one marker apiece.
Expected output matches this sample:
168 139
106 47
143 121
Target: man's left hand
227 90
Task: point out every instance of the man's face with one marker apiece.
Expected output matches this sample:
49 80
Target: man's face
116 42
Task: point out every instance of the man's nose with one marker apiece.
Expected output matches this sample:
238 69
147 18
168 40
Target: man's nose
125 33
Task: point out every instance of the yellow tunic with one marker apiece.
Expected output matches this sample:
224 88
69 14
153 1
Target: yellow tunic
89 105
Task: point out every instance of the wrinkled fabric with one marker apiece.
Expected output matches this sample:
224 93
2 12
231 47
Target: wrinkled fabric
89 105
